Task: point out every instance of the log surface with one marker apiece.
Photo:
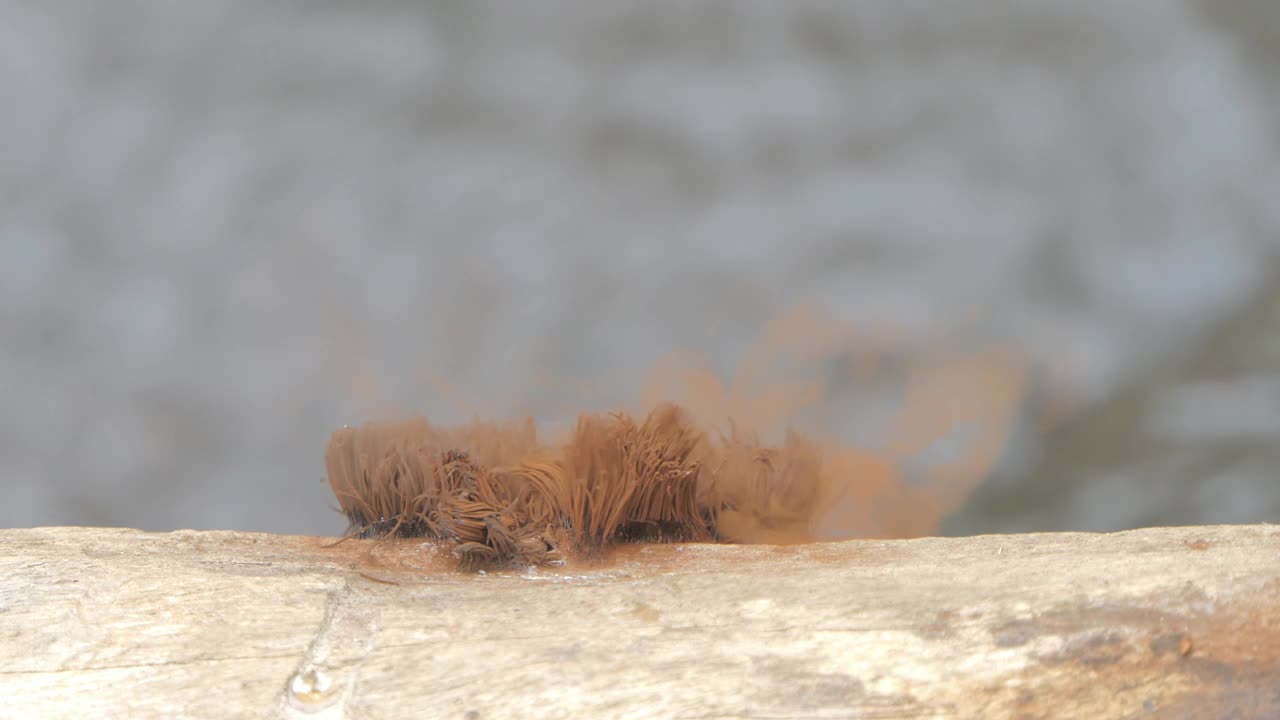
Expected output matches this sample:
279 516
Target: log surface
1158 623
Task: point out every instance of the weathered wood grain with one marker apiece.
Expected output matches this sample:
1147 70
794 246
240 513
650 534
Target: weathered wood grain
1163 623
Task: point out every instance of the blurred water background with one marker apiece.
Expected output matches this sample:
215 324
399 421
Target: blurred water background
227 228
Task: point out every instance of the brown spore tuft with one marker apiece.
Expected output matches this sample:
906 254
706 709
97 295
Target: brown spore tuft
723 463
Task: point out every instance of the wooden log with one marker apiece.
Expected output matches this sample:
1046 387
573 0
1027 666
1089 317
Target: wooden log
1163 623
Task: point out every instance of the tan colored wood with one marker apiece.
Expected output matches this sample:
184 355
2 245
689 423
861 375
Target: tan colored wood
1166 623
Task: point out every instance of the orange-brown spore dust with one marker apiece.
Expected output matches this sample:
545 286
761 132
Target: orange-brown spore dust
700 469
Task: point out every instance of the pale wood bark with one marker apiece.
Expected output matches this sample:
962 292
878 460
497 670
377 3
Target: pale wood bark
1166 622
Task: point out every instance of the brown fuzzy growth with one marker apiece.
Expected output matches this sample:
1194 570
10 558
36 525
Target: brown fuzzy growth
497 494
614 480
768 493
